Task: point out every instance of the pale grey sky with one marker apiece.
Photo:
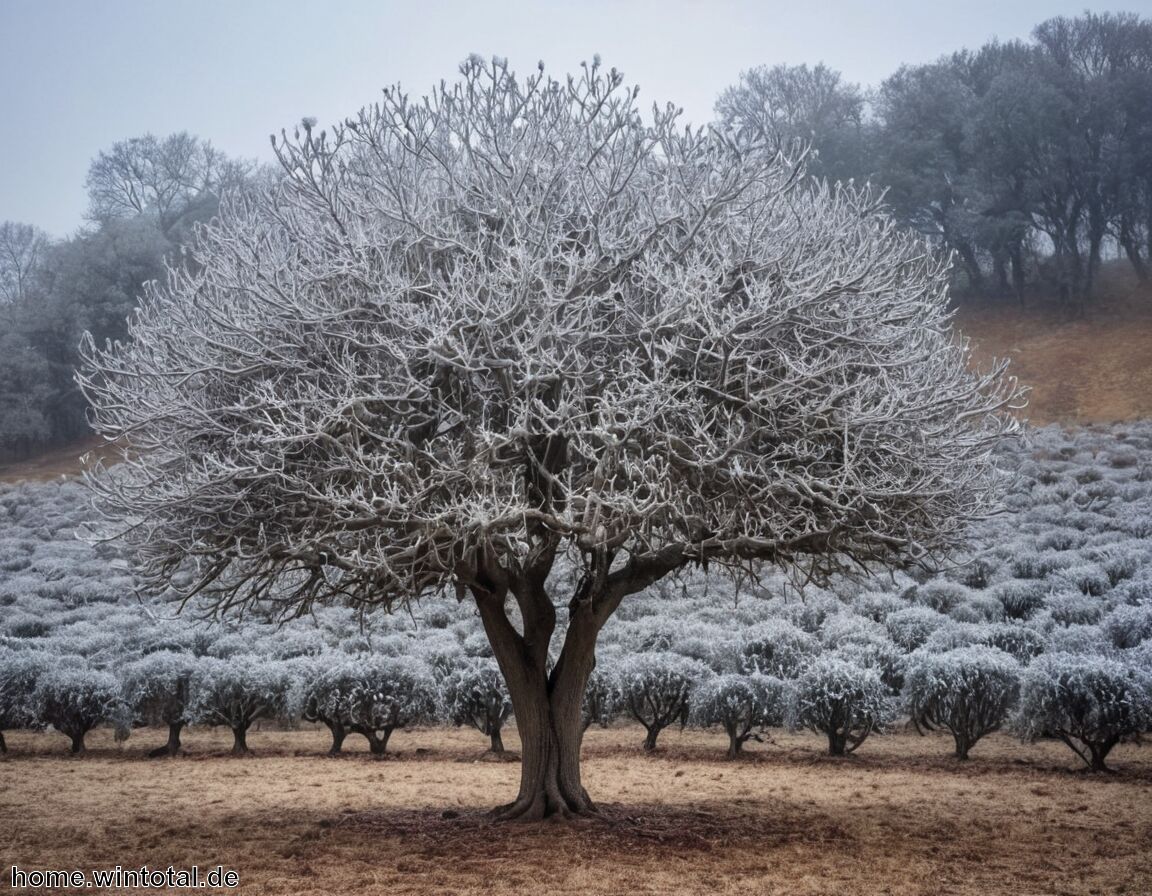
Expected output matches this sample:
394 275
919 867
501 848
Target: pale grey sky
78 75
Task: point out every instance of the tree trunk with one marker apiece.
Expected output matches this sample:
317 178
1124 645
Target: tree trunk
546 706
497 741
78 742
338 735
173 746
735 743
1098 752
962 746
650 738
240 741
3 745
378 743
837 742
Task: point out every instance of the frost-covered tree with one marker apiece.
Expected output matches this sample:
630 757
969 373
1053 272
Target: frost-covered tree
156 689
467 335
656 690
474 694
74 698
237 692
840 700
739 704
968 691
19 672
312 697
1087 702
375 695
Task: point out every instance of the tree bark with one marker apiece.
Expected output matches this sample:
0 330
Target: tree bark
240 741
3 745
78 742
735 743
837 743
497 741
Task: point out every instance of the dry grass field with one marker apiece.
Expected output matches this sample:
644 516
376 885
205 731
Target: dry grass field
900 817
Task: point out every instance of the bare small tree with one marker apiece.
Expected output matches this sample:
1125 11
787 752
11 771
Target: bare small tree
22 249
471 334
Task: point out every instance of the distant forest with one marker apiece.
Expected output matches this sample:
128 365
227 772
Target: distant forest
1030 160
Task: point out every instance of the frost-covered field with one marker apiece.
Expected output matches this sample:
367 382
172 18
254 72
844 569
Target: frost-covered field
1051 608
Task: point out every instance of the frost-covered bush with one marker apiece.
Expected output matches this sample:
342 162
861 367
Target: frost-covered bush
1088 578
1022 644
840 700
968 691
474 694
236 692
776 648
878 605
1129 626
941 595
1073 608
74 698
19 672
739 704
1087 702
656 688
911 627
1020 600
603 700
375 695
156 689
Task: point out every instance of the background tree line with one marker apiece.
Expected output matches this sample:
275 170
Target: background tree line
1031 160
145 195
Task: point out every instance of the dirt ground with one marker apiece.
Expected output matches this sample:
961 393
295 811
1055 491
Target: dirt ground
1082 369
899 817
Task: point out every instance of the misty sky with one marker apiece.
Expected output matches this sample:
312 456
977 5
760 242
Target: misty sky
76 76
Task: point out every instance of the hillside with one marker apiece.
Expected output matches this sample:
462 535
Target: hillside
1082 370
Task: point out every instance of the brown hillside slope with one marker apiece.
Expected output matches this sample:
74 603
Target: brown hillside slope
1091 369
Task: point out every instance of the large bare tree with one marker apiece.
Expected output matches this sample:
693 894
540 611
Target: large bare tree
515 326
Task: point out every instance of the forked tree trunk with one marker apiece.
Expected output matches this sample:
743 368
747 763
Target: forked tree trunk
378 743
547 709
240 741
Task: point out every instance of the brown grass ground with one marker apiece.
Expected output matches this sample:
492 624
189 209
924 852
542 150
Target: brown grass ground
900 817
1095 368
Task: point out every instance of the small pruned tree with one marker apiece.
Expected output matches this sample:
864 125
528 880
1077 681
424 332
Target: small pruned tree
474 694
656 689
313 697
1087 702
968 691
739 704
19 672
518 323
377 694
156 690
840 700
236 692
74 698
